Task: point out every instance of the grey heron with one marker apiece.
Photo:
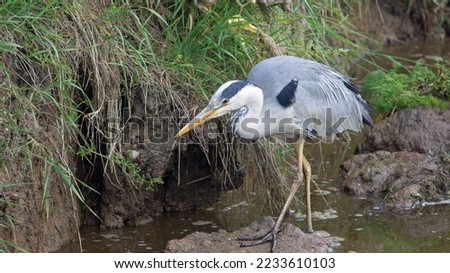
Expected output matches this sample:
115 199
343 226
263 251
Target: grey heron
293 99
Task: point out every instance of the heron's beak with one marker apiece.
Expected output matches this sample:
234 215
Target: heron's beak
206 114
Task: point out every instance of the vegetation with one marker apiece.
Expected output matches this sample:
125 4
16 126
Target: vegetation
392 90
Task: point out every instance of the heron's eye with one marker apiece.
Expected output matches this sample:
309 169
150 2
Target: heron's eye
225 101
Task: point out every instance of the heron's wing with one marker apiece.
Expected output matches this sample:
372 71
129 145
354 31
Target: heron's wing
326 103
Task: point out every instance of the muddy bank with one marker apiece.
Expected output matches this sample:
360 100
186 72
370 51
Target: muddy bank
30 221
399 22
290 239
192 184
38 209
404 160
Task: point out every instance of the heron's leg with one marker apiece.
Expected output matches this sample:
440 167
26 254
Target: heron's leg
272 234
307 168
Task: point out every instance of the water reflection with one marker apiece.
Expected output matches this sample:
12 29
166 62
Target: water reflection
406 54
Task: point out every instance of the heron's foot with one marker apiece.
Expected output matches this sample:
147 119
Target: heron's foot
309 230
270 236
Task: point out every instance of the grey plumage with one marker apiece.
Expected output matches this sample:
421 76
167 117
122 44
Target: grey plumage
325 101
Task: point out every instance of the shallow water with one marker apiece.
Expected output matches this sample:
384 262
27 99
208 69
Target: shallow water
362 223
406 54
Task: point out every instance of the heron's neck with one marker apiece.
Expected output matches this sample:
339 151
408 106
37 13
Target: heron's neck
246 121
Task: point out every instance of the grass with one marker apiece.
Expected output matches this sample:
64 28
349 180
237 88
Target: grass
72 64
392 90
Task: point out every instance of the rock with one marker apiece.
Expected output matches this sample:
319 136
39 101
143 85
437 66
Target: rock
290 239
402 178
404 159
414 130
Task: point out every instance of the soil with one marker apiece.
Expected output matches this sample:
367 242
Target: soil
421 130
32 227
194 186
404 160
290 239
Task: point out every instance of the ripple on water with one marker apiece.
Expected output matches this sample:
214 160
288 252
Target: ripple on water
110 236
326 214
242 203
321 192
201 223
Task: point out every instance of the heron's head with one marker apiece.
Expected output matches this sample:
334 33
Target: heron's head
229 97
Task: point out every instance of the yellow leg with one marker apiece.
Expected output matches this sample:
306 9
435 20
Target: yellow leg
307 168
271 235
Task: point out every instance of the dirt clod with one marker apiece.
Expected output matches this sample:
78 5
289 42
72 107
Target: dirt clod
290 239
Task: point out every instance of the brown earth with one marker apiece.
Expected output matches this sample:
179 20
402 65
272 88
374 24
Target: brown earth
23 218
422 130
196 185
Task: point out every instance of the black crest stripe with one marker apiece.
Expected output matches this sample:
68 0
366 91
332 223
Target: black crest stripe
233 88
287 95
